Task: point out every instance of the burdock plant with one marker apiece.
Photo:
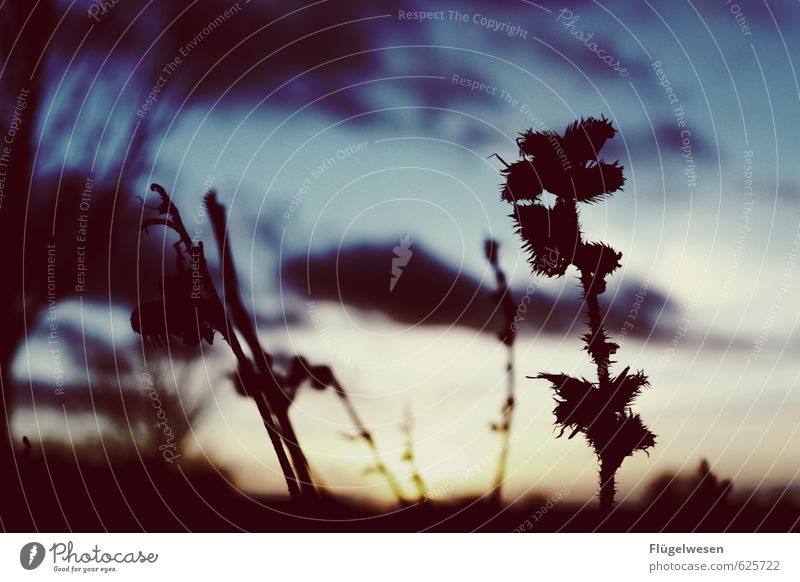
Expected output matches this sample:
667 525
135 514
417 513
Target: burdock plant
568 166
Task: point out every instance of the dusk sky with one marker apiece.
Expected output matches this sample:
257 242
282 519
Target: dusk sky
331 132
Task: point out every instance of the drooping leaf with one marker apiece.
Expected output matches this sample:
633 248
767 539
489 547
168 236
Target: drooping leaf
187 309
297 371
300 370
157 320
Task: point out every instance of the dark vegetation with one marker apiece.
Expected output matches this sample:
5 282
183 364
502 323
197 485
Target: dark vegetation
119 478
124 484
87 489
569 166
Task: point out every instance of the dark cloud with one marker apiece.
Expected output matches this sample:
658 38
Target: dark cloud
247 50
640 141
431 292
670 140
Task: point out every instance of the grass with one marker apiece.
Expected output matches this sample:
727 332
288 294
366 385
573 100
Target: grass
192 310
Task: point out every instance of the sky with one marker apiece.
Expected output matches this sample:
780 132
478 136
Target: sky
333 131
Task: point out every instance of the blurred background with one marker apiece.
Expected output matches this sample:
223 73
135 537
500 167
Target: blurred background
332 132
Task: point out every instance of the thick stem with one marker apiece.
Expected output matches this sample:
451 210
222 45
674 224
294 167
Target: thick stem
608 486
600 356
233 341
299 459
269 423
364 433
230 289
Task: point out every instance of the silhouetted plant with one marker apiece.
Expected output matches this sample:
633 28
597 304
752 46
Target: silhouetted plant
699 500
269 384
191 310
507 334
410 457
569 167
321 377
26 450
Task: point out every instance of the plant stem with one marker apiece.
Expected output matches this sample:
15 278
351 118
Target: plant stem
299 459
233 341
601 356
507 336
269 423
273 398
608 487
411 458
505 428
364 433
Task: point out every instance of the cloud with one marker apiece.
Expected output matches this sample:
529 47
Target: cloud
429 291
